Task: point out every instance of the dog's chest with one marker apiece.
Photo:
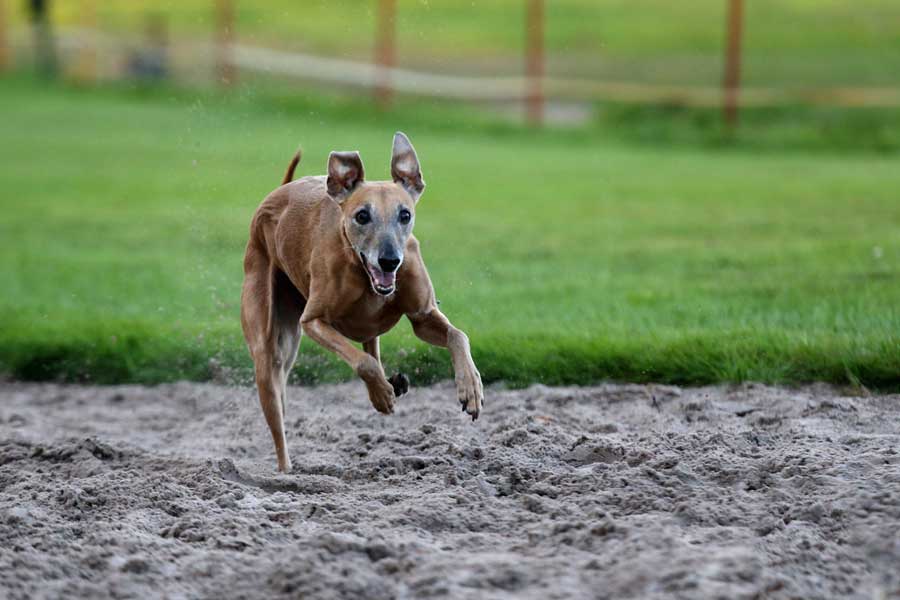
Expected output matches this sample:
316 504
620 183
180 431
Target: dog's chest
367 319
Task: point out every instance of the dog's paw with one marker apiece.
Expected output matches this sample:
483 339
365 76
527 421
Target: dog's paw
284 466
400 382
381 394
470 392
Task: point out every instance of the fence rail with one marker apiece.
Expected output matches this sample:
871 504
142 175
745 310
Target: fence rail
227 57
343 72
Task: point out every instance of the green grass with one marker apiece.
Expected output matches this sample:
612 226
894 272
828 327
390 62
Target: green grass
567 257
787 42
774 129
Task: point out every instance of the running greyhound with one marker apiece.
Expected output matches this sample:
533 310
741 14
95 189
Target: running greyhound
334 257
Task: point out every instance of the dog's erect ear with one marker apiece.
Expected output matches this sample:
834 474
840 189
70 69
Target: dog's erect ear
405 166
345 173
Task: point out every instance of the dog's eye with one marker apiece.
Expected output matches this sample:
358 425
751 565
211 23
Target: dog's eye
405 216
363 217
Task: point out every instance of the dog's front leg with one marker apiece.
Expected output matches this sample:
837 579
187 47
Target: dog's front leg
366 366
399 381
434 328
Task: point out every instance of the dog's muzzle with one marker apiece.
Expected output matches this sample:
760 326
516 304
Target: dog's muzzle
384 283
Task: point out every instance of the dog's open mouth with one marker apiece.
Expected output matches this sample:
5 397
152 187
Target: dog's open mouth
383 283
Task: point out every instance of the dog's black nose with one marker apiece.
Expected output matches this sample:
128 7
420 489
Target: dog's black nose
388 264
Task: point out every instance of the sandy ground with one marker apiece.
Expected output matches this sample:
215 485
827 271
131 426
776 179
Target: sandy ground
614 491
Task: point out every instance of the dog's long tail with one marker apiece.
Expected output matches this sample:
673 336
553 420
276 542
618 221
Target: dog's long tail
289 175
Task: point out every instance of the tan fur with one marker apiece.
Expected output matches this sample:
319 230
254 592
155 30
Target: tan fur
302 275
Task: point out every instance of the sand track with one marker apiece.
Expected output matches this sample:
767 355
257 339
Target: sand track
613 491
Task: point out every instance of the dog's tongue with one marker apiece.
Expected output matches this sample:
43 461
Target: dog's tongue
382 279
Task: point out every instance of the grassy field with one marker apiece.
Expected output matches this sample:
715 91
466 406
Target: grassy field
567 257
788 42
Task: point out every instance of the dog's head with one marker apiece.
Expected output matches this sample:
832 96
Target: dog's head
378 217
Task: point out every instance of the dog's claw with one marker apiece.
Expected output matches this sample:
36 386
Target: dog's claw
465 408
400 383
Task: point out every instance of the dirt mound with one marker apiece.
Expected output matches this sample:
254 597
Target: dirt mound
613 491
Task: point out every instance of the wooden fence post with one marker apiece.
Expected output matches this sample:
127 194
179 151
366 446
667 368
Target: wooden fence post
5 49
43 38
534 61
86 67
385 52
731 82
225 35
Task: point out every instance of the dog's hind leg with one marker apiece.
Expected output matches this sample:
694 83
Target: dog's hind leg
270 315
287 307
373 348
270 385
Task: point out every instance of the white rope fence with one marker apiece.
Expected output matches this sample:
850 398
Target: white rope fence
366 75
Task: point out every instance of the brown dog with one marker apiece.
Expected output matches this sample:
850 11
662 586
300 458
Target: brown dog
335 257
